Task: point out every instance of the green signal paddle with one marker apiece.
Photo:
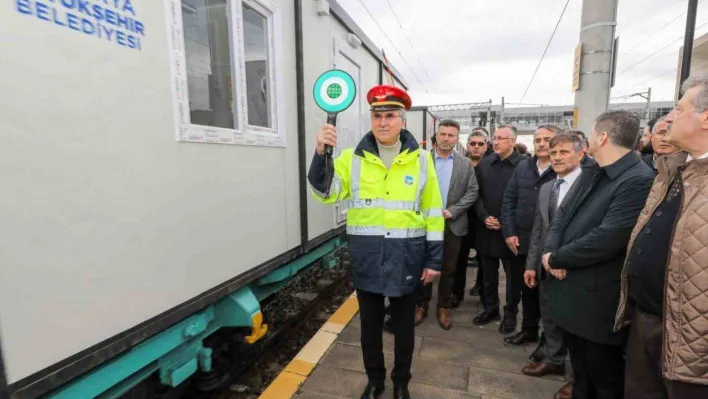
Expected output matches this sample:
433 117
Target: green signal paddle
334 92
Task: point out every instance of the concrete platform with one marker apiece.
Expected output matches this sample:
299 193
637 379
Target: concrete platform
465 362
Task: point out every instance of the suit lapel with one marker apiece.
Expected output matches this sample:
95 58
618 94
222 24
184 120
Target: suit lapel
584 184
456 170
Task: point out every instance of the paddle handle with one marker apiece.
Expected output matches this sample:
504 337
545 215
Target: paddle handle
331 120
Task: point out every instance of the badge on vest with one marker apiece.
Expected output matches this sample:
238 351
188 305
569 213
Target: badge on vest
408 180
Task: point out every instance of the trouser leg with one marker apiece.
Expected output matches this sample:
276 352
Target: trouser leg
605 367
554 348
403 314
371 312
451 251
529 300
461 267
514 279
490 299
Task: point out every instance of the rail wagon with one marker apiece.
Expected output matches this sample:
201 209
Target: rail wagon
154 164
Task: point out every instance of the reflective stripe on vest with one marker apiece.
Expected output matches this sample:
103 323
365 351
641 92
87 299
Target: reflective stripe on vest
387 233
356 184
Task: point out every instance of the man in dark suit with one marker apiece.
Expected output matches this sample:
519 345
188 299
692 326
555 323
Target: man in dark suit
494 174
458 188
518 208
585 249
567 152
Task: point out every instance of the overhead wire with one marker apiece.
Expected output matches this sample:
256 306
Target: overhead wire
394 46
411 43
656 32
544 51
657 52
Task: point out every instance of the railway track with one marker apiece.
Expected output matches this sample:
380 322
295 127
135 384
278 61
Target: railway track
294 315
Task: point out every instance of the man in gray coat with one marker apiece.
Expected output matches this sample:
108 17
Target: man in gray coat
567 152
458 187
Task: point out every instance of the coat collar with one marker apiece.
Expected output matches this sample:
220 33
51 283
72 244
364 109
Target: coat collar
368 144
514 158
669 165
621 165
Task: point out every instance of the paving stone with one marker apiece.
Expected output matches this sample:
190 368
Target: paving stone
350 357
351 335
476 336
312 395
424 391
503 358
335 381
510 385
446 375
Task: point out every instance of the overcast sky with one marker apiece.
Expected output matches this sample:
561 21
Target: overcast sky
474 50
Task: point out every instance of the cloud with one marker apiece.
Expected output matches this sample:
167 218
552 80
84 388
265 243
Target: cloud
475 50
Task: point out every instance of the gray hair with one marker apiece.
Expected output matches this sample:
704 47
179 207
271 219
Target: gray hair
621 126
564 137
551 128
656 123
700 103
402 113
512 128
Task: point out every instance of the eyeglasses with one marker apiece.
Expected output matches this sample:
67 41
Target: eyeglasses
476 144
387 117
495 138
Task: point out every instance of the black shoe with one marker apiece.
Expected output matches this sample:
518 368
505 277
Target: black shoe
455 300
537 355
373 391
521 338
474 291
388 325
401 393
508 325
486 317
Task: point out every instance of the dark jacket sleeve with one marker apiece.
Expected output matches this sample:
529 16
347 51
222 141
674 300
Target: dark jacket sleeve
536 242
460 208
610 238
509 202
321 173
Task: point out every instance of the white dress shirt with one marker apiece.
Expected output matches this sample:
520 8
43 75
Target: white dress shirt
568 181
690 158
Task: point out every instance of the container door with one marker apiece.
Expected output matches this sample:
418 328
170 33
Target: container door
350 122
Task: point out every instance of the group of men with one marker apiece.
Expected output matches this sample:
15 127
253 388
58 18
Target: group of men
592 239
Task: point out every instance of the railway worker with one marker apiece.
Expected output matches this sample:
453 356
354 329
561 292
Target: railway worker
394 226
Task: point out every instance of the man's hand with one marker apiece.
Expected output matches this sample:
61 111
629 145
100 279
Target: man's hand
492 223
447 214
544 260
513 244
326 136
560 274
530 278
428 276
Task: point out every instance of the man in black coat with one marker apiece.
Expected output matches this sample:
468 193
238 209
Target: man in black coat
585 250
494 174
518 209
477 146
